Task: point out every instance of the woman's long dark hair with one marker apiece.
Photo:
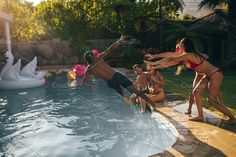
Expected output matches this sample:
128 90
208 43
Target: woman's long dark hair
189 47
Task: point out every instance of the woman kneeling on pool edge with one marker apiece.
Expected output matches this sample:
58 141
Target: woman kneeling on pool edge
213 78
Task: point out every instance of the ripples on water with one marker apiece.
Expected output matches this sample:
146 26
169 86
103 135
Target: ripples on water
60 120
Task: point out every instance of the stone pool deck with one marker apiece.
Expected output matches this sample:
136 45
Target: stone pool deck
198 139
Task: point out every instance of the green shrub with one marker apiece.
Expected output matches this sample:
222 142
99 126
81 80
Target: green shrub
131 56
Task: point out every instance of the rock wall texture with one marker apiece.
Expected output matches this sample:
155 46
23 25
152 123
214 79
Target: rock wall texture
54 52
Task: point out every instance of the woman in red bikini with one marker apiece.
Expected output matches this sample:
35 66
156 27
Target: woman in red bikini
213 78
197 78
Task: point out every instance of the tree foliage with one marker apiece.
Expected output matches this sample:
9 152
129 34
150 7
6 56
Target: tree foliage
230 6
195 33
25 26
187 17
93 18
78 20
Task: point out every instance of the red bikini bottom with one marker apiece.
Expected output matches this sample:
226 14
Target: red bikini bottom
215 71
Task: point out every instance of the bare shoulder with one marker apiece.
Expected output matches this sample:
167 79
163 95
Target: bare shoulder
101 55
192 56
180 58
186 56
88 67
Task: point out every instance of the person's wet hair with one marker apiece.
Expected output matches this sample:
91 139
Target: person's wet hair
88 56
189 47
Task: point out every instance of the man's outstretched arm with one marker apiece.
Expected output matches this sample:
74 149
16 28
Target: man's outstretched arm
112 47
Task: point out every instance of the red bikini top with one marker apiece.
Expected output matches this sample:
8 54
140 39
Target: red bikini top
194 65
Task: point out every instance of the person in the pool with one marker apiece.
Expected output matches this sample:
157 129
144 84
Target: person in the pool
53 73
98 67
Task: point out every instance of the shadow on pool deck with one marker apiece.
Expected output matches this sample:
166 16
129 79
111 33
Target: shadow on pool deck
206 139
187 143
196 138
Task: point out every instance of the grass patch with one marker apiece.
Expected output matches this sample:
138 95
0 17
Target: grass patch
182 84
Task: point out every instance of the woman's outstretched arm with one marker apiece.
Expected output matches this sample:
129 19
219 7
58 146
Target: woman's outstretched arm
165 65
162 55
169 61
164 61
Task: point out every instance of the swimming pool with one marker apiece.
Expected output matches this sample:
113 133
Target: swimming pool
61 120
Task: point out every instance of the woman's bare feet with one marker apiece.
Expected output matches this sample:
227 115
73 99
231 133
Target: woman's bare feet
198 119
188 112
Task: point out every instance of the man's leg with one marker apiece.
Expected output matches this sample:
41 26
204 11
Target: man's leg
132 89
124 97
133 98
143 103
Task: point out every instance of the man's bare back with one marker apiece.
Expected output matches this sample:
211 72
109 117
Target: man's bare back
101 69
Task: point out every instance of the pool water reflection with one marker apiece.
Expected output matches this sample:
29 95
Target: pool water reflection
61 120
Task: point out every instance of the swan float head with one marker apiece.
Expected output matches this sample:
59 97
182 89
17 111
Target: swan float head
9 57
9 61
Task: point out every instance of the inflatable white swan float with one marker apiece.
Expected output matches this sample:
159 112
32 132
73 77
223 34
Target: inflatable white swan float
12 77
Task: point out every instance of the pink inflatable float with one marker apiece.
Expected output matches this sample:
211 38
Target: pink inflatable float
79 69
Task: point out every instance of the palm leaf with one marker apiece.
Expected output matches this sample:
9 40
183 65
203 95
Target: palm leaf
209 3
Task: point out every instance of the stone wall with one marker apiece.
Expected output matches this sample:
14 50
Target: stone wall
100 45
53 52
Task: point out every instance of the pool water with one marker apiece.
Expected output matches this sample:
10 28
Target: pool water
70 120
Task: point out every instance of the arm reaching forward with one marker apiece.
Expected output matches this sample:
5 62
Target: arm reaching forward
113 46
169 61
162 55
86 76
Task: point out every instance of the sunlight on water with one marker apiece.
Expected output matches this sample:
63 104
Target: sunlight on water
63 120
